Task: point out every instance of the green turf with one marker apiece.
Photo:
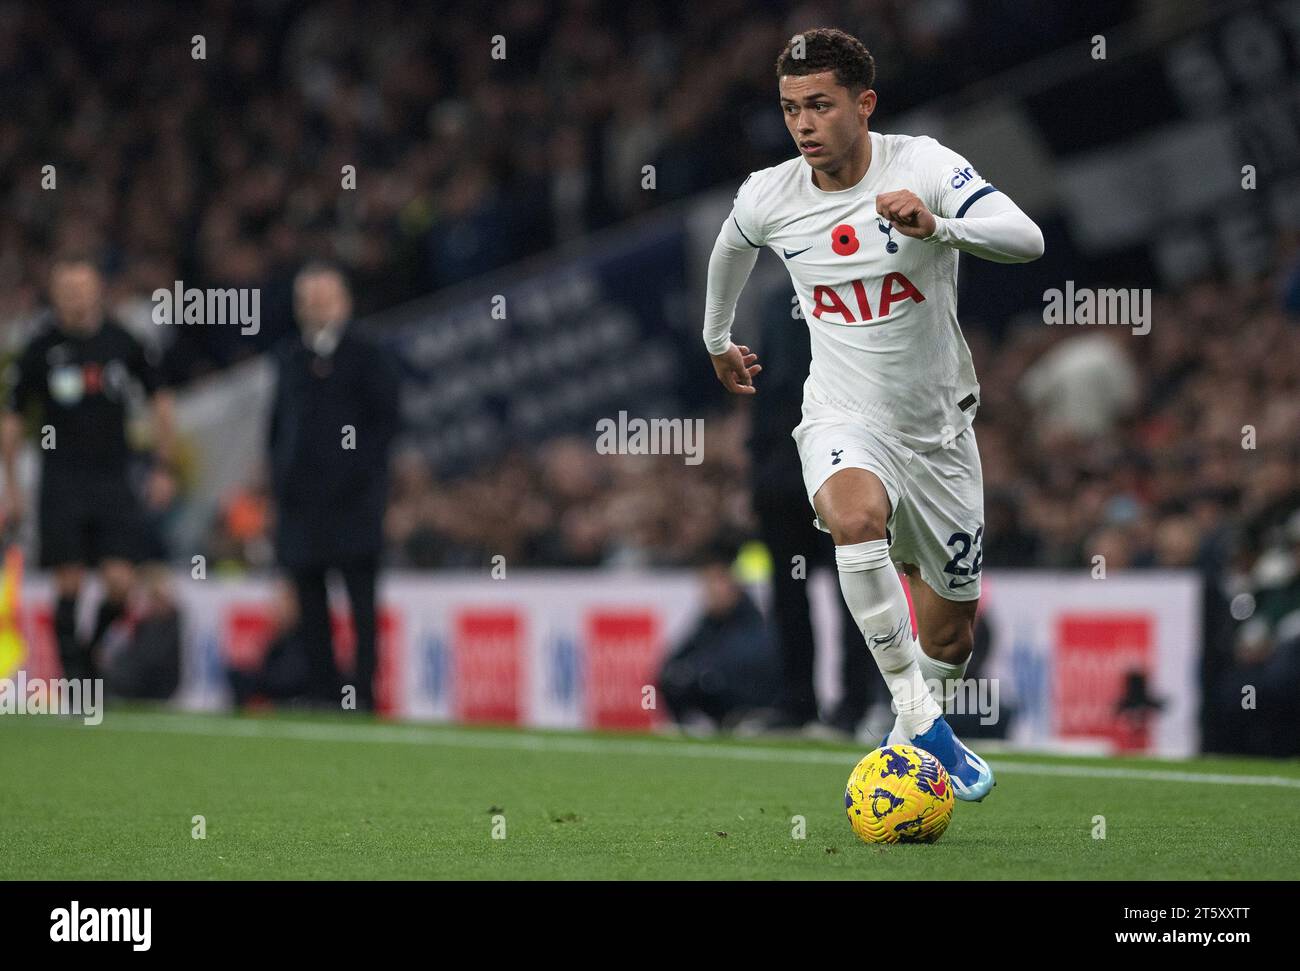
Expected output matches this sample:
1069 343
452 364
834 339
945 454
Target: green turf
116 802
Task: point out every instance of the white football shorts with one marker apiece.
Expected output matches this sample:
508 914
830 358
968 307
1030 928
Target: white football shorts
936 498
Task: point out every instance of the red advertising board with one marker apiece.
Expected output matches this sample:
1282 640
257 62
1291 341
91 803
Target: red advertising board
1095 655
488 658
250 628
623 655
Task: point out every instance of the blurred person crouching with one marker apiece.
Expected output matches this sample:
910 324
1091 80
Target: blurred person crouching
146 665
283 674
1257 695
726 667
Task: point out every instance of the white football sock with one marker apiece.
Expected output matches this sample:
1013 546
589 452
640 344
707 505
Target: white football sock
875 597
940 677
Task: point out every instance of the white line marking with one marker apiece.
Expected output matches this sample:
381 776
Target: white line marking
470 738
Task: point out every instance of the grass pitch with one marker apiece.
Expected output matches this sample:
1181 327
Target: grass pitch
343 798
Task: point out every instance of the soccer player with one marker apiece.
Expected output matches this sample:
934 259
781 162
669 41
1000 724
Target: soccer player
77 376
869 227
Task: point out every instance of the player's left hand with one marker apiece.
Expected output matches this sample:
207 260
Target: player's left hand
905 211
736 368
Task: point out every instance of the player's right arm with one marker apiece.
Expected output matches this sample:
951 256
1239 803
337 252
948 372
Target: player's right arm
734 253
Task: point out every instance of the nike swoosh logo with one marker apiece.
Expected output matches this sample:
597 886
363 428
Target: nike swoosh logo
953 584
790 256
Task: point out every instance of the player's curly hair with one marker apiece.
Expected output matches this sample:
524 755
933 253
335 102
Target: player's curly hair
828 49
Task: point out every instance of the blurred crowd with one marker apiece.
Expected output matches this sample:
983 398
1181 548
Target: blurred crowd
1102 449
1150 450
1173 449
230 169
561 505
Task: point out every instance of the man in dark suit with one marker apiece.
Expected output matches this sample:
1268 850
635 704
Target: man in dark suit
334 416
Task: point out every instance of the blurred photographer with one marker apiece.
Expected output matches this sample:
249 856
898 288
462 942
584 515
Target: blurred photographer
726 667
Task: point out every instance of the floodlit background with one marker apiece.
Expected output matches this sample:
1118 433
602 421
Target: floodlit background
532 579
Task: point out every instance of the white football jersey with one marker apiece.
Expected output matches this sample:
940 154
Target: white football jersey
881 306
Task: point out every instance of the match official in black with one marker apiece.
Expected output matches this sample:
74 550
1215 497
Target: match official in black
333 420
73 381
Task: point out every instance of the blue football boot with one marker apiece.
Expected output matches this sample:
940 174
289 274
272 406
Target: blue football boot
972 779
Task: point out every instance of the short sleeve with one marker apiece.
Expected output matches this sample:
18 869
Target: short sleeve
950 184
745 216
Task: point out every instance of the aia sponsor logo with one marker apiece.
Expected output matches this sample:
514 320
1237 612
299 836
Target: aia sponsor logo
488 665
894 288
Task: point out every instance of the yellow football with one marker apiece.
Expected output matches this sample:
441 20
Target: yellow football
899 794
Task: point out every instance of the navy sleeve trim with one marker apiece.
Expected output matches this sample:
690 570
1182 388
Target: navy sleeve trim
742 233
974 196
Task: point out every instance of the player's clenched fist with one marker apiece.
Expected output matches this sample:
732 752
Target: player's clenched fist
905 211
735 368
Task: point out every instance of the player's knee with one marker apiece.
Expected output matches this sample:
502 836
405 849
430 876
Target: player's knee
858 526
953 645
